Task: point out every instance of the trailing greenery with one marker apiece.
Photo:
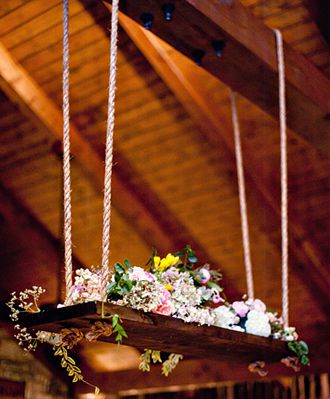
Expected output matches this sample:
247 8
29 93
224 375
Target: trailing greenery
300 348
151 355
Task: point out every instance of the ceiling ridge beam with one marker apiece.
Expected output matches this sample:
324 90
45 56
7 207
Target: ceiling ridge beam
248 63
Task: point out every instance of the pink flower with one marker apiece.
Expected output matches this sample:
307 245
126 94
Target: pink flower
217 299
203 276
240 308
259 306
166 296
164 309
172 273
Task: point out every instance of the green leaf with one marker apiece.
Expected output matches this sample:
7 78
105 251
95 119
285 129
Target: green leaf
192 259
115 319
304 360
212 284
303 347
127 263
124 334
119 268
111 286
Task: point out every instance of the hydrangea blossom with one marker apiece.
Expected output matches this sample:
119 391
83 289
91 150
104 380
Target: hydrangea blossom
86 287
225 317
257 323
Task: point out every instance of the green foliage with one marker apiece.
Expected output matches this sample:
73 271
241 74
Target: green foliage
151 263
122 284
187 257
300 348
215 286
118 328
67 362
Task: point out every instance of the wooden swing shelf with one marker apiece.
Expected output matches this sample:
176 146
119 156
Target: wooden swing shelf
165 333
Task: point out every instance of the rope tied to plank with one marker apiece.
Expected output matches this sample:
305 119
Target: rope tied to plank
284 186
66 154
242 197
109 148
108 153
284 178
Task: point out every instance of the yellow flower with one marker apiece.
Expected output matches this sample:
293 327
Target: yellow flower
169 287
165 263
156 261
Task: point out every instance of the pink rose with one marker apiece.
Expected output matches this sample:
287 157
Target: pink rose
259 306
165 310
240 308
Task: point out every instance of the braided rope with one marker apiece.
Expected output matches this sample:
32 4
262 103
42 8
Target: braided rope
66 154
242 198
284 178
109 149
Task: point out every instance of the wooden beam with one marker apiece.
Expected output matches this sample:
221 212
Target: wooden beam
24 91
188 84
320 12
135 201
248 63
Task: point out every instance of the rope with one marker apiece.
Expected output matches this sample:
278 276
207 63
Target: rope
242 198
109 150
284 178
66 153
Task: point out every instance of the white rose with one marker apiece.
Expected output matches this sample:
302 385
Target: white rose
258 324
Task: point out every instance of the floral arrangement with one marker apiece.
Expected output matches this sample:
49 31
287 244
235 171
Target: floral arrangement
173 286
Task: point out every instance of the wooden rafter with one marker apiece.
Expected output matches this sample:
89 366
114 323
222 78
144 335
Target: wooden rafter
136 202
248 63
185 81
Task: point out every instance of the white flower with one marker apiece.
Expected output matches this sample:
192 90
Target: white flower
224 317
138 274
258 305
258 324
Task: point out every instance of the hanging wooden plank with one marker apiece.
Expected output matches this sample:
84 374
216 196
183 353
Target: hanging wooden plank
168 334
248 63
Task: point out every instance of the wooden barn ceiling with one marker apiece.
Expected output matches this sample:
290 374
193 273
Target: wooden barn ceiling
174 170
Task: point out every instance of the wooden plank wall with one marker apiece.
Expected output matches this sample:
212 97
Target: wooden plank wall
302 387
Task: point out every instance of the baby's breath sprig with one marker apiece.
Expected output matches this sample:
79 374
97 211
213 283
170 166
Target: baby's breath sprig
25 302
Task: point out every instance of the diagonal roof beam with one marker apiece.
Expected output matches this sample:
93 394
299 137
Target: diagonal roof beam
33 101
187 83
248 63
135 202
